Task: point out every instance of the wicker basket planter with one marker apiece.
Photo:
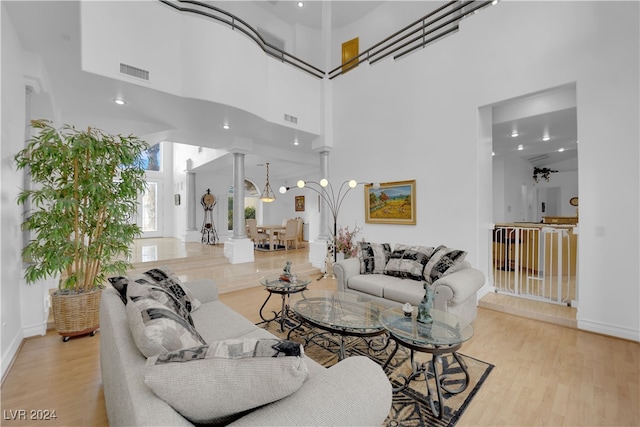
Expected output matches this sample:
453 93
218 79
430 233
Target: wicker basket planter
76 313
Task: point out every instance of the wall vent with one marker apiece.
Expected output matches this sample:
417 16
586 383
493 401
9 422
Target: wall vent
132 71
538 158
290 118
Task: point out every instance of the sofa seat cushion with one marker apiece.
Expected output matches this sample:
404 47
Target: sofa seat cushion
405 290
211 382
372 284
219 322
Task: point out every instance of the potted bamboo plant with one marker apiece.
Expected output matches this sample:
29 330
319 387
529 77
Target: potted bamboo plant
82 199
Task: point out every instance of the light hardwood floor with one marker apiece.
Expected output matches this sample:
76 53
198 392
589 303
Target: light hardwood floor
545 374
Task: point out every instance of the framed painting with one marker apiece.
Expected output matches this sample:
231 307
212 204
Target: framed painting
390 203
299 203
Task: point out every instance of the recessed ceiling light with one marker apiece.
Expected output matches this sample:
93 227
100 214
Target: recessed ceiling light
119 101
493 153
560 150
226 126
546 138
520 147
514 134
296 142
300 4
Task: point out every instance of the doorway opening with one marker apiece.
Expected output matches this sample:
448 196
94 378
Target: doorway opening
535 178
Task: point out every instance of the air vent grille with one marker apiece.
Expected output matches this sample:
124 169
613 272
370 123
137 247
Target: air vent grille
538 158
132 71
290 118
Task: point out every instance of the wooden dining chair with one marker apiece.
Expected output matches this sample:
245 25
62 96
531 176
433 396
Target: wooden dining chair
290 234
254 235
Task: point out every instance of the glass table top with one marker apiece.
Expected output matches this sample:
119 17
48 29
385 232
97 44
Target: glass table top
276 284
339 310
446 328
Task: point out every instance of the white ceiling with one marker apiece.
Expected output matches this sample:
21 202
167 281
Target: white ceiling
51 29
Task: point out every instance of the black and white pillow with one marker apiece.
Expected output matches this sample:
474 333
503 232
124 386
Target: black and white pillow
408 262
155 326
373 257
443 261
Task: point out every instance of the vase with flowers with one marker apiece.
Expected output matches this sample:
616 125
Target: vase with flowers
345 241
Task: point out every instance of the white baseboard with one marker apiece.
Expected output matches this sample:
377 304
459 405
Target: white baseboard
616 331
9 356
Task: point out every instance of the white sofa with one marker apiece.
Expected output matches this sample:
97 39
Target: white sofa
355 391
455 292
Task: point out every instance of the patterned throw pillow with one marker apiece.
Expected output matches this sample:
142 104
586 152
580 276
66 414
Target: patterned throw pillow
373 257
443 261
155 326
162 278
208 383
408 262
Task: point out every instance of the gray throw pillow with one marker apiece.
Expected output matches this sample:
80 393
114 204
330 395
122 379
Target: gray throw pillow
209 383
444 261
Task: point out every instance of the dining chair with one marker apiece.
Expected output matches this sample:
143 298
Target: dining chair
290 234
254 235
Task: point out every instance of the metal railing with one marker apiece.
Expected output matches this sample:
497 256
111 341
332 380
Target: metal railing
536 263
236 23
428 29
420 33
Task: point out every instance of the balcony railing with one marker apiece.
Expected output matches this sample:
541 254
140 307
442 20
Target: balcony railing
430 28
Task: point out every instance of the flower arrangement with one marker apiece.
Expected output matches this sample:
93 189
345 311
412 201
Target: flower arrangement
345 241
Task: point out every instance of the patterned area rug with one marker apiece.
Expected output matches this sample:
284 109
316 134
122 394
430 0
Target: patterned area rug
410 407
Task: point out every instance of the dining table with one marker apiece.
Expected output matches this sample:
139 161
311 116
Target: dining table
272 230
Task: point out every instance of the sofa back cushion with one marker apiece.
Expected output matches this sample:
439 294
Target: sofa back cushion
210 383
373 257
443 261
408 262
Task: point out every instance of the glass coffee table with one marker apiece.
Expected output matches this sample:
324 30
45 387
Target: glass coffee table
275 285
444 335
340 313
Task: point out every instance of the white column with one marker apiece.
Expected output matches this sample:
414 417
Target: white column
191 201
239 227
326 221
238 248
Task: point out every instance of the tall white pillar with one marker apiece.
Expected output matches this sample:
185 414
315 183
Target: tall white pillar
325 214
238 248
239 227
191 201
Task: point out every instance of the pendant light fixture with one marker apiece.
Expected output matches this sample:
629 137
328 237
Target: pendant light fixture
267 194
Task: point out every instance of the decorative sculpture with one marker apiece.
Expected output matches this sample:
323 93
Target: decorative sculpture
424 309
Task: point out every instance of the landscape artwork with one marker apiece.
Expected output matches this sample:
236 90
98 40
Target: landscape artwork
391 203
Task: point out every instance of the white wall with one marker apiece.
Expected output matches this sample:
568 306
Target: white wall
191 56
425 126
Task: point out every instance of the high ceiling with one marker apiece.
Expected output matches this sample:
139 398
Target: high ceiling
51 30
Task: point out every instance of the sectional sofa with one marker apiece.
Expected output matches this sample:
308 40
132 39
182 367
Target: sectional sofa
222 381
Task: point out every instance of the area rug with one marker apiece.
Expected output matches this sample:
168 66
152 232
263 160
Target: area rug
266 247
410 407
